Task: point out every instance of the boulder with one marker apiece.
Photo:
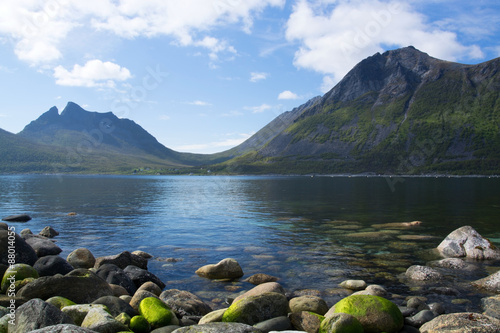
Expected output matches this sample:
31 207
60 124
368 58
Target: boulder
491 306
274 324
118 290
268 287
306 321
261 278
157 313
353 284
340 323
99 320
212 317
48 232
151 287
184 303
142 254
490 283
138 297
115 305
467 242
422 273
122 260
24 253
139 324
308 303
140 276
78 312
42 245
254 309
52 265
36 314
17 218
115 275
63 328
81 258
60 302
462 323
376 314
219 328
17 272
81 286
224 269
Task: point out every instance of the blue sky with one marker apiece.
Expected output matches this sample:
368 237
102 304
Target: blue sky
204 75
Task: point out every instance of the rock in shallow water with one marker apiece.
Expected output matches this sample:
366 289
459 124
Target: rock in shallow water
225 269
422 273
467 242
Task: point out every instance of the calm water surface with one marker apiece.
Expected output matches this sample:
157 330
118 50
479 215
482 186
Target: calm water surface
311 232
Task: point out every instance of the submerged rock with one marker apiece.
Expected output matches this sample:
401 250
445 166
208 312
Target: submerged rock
467 242
260 278
17 218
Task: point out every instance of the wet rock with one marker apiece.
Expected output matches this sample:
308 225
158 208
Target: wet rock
185 303
42 245
254 309
375 313
80 286
122 260
99 320
113 274
224 269
140 276
274 324
305 321
462 322
397 225
454 263
268 287
115 305
36 314
78 312
219 328
420 318
52 265
491 306
48 232
260 278
24 253
308 303
422 273
353 284
489 283
341 322
467 242
17 218
81 258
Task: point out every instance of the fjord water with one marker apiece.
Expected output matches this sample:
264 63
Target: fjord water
311 232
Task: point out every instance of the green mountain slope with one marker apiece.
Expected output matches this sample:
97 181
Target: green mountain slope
399 112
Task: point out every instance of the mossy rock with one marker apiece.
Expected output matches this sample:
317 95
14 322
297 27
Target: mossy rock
60 302
157 313
376 314
255 309
139 324
341 323
20 272
123 318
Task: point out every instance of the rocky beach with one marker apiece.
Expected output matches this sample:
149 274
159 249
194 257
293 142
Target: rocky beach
43 291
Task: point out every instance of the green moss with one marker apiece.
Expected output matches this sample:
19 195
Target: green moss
17 272
139 324
156 312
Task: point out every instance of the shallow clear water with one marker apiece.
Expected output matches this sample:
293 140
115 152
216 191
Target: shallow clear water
311 232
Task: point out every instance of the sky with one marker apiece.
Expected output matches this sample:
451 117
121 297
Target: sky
204 75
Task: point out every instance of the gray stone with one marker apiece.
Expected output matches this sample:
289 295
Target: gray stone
24 252
102 322
151 287
305 321
48 232
225 269
78 312
166 329
274 324
142 254
373 289
422 273
63 328
212 317
437 308
465 322
454 263
268 287
140 276
52 265
139 296
420 318
308 303
491 306
81 258
118 290
353 284
489 283
122 260
260 278
42 245
467 242
115 275
417 303
36 314
185 303
115 305
218 328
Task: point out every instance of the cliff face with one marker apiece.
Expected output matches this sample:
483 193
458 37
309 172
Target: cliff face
397 112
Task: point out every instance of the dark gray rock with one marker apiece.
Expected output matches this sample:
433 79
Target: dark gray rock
140 276
122 260
185 303
81 258
274 324
48 232
17 218
36 314
80 286
116 305
115 275
24 253
467 242
52 265
420 318
4 226
42 245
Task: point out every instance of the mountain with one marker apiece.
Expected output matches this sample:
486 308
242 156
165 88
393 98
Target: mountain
401 112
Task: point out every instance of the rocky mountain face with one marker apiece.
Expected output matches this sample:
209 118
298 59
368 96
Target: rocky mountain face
397 112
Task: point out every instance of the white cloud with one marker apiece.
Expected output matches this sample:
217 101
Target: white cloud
287 94
335 35
215 146
199 103
258 109
258 76
94 73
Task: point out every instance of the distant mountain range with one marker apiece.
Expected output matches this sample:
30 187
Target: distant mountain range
400 112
